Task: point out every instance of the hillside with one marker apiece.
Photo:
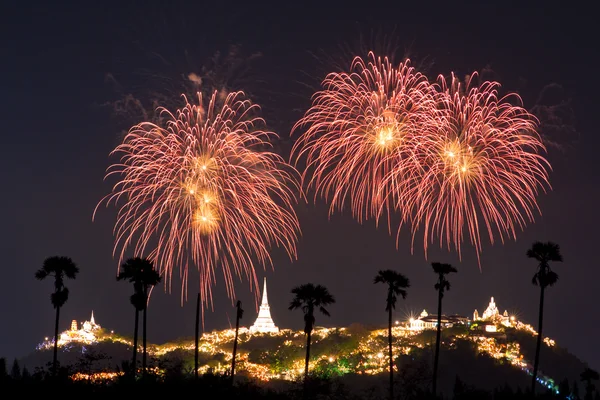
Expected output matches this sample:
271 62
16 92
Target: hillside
356 354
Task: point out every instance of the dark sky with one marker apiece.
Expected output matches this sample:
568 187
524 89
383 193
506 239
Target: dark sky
58 130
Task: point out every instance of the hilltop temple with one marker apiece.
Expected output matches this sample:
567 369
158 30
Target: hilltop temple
429 321
492 314
85 334
264 323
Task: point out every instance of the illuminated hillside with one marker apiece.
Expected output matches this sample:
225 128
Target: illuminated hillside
335 351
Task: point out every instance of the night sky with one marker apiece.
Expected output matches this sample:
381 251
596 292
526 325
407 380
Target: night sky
65 69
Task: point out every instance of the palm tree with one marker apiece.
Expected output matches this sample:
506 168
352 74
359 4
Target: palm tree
441 286
544 277
397 285
141 273
58 267
587 376
309 297
239 314
150 278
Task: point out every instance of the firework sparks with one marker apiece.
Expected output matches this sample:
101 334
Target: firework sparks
364 126
482 170
450 159
201 190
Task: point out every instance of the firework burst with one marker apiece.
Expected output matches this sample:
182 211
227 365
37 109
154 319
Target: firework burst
364 126
450 159
201 190
482 170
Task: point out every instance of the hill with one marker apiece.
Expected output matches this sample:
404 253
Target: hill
355 355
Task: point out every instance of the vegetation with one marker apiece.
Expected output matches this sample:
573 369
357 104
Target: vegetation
544 253
309 298
441 286
59 268
141 273
238 315
396 285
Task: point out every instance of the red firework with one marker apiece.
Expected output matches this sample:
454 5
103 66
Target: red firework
452 160
482 170
201 191
364 126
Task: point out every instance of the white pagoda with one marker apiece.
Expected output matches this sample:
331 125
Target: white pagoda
492 313
264 322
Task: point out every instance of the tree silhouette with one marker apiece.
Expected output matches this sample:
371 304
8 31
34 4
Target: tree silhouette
15 371
238 315
441 286
309 297
59 268
544 277
587 376
140 272
396 285
3 370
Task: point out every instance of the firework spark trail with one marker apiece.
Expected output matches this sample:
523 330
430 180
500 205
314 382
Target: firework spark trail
202 191
364 126
482 170
454 160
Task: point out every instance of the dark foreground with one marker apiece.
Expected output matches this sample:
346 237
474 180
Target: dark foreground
220 388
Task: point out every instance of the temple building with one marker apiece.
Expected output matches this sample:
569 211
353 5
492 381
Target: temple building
492 314
428 321
86 334
264 322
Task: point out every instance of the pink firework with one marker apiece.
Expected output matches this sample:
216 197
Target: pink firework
451 160
482 170
201 191
365 126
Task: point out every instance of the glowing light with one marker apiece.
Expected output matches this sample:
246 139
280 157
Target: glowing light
467 162
364 125
200 191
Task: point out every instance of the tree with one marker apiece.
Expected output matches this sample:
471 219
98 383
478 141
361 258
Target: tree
60 268
3 370
441 286
396 285
15 371
150 278
25 375
544 277
309 297
239 314
587 376
140 272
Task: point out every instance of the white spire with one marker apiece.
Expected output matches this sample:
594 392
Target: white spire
265 302
264 322
92 319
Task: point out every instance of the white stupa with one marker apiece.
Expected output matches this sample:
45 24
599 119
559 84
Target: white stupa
264 322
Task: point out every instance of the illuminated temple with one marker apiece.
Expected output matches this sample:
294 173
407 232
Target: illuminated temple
264 323
492 314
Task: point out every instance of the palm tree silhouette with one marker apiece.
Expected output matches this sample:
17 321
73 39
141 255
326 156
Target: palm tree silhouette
140 272
397 285
60 268
239 314
544 277
441 286
309 297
